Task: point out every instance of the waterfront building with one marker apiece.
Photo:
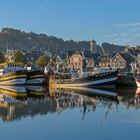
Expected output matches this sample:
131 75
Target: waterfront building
90 63
51 66
138 59
82 59
91 59
134 51
58 61
75 60
105 61
122 60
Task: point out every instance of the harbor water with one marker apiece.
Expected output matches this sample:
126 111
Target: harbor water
40 113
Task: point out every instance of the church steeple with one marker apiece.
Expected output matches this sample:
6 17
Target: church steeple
92 45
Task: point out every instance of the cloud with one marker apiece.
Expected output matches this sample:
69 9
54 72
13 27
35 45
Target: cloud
127 24
42 4
123 38
134 29
125 34
111 35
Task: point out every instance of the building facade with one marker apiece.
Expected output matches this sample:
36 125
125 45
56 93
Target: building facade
76 61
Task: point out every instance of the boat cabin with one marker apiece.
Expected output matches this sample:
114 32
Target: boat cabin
10 67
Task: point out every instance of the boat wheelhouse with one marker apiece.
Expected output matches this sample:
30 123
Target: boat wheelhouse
12 74
35 76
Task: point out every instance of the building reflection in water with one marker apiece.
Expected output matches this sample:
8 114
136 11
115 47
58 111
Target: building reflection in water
19 102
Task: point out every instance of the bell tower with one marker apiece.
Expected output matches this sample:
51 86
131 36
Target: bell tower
92 45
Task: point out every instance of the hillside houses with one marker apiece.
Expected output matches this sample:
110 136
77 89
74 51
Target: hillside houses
33 56
84 58
10 53
123 59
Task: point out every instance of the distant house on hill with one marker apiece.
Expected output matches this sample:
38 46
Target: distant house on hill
10 53
34 55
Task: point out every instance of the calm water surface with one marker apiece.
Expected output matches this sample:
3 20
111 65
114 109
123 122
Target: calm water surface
36 113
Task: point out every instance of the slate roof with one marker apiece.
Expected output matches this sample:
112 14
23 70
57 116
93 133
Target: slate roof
87 54
70 53
134 52
127 57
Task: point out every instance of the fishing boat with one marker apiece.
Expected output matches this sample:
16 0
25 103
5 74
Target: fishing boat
97 78
12 74
35 76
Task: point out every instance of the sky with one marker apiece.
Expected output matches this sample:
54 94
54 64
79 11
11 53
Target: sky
113 21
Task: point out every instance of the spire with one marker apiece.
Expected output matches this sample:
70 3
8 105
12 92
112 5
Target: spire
92 45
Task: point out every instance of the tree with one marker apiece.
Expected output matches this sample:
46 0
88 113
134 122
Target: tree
19 57
2 57
42 61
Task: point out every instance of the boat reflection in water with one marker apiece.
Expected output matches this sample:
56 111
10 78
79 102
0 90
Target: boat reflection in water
36 91
10 98
18 91
20 102
130 97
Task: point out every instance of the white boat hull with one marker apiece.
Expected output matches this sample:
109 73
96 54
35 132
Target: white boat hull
108 81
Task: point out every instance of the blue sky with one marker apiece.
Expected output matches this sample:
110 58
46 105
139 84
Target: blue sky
114 21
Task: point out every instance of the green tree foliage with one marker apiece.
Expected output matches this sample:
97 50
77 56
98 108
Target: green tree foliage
2 57
31 41
19 57
42 61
